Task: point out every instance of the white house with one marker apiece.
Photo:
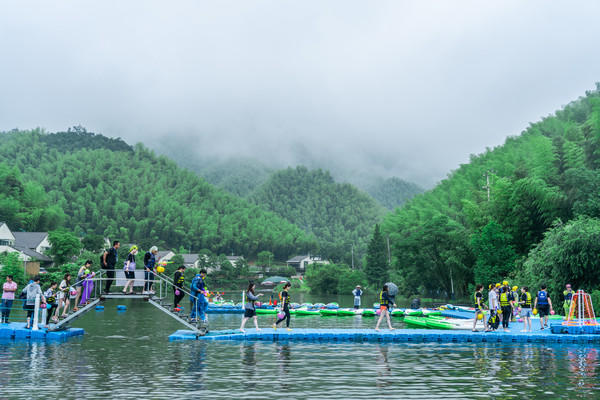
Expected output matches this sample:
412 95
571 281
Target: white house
30 245
301 262
6 236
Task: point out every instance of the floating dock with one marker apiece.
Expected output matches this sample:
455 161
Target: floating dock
17 331
385 335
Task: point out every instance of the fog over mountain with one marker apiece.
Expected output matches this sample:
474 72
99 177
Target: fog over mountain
407 89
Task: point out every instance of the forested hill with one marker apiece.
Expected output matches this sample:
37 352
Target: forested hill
107 187
392 192
339 215
538 225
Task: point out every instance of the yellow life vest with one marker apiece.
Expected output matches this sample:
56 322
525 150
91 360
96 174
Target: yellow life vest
504 299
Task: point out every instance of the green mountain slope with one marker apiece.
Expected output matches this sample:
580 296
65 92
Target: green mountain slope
107 187
339 215
454 235
392 192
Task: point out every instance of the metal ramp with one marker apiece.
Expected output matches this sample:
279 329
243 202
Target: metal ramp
71 317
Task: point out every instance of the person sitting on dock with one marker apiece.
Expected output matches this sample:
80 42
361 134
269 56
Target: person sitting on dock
525 304
178 280
357 293
544 306
384 305
250 307
478 300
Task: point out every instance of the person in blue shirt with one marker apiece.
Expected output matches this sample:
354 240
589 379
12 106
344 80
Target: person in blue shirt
544 306
198 301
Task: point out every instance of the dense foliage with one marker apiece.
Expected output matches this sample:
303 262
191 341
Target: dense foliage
133 195
339 215
24 205
393 192
334 279
466 231
376 266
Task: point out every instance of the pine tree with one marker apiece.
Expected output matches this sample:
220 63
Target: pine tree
377 263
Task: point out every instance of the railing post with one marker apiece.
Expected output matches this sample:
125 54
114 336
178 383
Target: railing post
243 299
36 311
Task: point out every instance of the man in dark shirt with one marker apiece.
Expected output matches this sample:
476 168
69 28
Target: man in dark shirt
109 260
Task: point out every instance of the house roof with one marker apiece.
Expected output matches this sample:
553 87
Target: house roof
234 258
189 258
33 254
163 253
10 235
29 240
297 259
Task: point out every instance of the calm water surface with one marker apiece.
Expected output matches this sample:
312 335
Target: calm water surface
127 355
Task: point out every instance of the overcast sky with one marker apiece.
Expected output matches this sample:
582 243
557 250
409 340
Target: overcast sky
404 88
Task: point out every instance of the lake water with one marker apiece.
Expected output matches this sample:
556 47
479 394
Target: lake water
128 355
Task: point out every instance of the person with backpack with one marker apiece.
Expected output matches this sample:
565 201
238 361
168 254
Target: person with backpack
494 319
525 303
543 304
285 301
108 261
478 303
149 269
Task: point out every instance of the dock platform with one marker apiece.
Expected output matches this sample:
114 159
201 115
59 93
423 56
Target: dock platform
17 331
385 335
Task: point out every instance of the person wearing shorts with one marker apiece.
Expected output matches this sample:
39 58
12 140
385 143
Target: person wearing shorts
544 306
525 303
384 306
250 307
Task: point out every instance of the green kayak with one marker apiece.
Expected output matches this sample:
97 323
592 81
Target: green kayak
343 312
307 312
367 312
328 313
413 313
265 311
430 313
398 313
416 322
435 323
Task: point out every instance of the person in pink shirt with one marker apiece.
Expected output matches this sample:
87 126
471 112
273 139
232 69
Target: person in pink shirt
8 295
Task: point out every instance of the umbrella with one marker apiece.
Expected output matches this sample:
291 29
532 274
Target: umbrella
274 280
392 289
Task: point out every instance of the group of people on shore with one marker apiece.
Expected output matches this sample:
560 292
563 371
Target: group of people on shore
506 303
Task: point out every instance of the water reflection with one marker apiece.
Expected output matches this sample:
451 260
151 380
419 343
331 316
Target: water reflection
384 370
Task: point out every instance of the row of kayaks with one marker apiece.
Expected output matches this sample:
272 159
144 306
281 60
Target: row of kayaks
441 322
349 312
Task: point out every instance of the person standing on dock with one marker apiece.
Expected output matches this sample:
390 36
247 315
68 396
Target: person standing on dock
285 301
50 296
478 300
32 291
129 269
8 296
544 306
568 296
515 305
178 279
385 302
199 292
357 293
250 307
79 282
149 269
109 260
506 303
526 309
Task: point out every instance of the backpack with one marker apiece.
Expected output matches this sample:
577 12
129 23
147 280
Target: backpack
494 320
23 294
102 259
